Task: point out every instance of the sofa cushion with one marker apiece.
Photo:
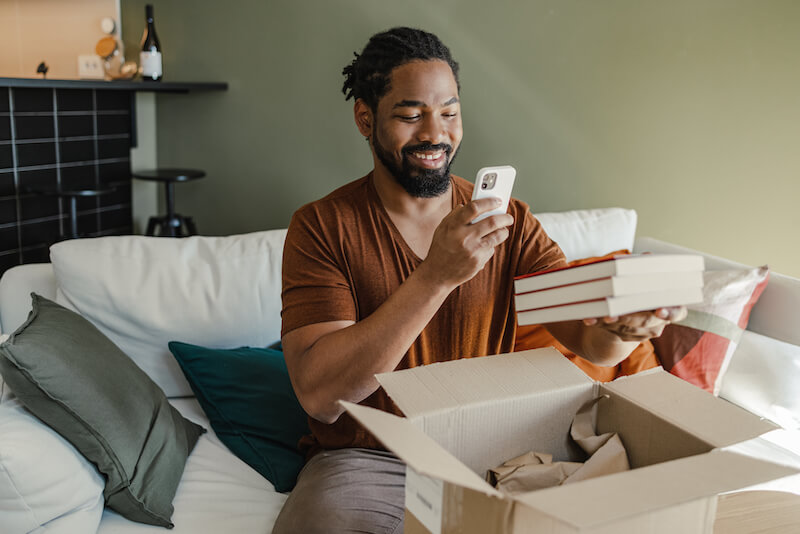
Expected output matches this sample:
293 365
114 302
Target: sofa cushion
143 292
77 381
249 400
699 348
44 480
586 233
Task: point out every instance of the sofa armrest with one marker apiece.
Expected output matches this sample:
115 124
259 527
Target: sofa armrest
16 286
763 377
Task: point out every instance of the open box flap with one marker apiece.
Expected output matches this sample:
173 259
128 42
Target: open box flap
416 449
715 421
651 488
780 446
428 389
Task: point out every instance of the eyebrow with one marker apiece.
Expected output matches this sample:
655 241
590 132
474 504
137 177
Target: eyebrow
419 103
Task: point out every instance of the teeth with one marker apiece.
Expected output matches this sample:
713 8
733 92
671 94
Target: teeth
421 155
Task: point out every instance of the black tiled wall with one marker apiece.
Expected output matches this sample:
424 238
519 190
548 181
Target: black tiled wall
55 140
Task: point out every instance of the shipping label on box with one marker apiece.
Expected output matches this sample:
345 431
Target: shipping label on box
424 500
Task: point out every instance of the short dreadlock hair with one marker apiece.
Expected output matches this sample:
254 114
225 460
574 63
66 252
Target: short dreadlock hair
367 77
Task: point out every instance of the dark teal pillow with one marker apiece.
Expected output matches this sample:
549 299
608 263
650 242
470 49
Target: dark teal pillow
249 400
77 381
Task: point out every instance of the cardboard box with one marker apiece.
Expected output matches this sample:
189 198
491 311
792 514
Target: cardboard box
465 416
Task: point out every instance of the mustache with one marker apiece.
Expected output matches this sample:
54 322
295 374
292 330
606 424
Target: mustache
448 149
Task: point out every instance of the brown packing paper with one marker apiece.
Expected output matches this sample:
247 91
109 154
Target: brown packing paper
535 470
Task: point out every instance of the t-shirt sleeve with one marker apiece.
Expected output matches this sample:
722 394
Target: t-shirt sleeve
539 252
315 286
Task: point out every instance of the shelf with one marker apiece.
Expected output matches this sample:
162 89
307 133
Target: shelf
156 87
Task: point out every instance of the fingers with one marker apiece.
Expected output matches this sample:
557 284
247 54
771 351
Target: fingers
635 333
459 248
475 207
468 212
495 238
492 224
488 232
672 314
639 326
605 320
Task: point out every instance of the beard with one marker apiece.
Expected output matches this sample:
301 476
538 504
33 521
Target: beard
417 182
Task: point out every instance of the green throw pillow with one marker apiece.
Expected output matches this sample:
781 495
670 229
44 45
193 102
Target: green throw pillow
78 382
247 396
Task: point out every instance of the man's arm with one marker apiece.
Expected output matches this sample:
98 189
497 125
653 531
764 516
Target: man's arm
609 340
339 359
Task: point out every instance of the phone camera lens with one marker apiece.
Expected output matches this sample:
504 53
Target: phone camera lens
484 186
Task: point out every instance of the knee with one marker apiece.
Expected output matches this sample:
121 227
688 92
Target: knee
310 509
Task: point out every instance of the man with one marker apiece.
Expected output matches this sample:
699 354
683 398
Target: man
388 273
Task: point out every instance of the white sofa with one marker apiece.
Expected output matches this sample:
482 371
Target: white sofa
225 292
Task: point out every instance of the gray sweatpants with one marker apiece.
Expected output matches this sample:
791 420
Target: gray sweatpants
346 491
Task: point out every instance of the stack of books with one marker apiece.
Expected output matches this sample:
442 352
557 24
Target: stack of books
609 287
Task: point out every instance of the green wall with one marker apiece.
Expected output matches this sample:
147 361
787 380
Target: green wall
687 111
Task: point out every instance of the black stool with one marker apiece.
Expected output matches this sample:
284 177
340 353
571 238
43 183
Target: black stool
171 224
73 195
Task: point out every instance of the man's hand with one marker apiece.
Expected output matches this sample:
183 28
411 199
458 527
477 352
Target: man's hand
459 249
640 326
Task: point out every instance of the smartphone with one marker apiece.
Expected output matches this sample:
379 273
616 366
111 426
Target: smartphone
494 182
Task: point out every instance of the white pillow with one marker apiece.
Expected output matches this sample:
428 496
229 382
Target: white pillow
143 292
15 292
588 233
44 481
764 377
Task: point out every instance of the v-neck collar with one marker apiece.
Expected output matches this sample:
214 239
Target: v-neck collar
383 213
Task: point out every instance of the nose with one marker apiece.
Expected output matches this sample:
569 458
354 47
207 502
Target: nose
432 129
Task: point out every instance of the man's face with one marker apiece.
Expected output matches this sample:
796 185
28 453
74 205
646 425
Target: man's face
417 129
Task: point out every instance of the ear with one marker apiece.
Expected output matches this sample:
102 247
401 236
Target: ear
363 117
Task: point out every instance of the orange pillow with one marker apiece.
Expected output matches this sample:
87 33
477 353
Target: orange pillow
537 336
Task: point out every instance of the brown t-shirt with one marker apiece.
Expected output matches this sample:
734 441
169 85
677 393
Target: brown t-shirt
342 259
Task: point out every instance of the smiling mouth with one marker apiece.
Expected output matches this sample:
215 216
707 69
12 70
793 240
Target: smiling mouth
429 158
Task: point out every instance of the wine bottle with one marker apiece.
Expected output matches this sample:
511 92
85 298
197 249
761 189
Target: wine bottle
150 56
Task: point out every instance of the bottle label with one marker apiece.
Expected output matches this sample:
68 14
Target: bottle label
150 64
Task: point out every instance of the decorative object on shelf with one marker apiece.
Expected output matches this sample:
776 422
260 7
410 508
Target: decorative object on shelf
150 57
114 65
42 69
110 50
108 25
